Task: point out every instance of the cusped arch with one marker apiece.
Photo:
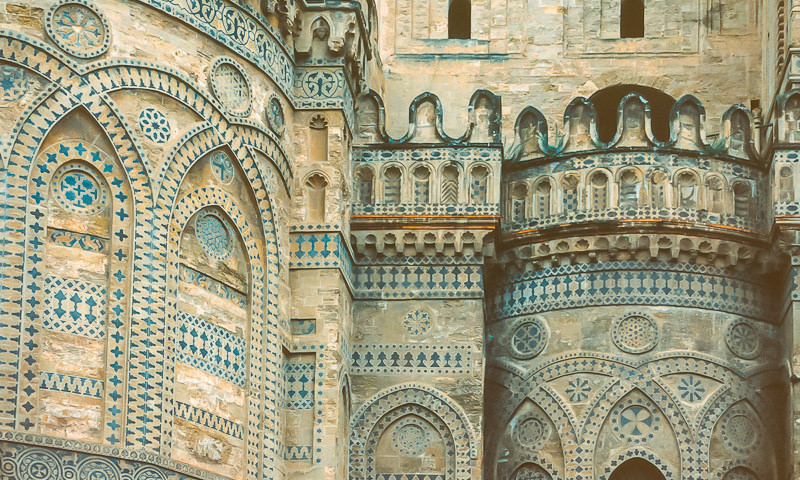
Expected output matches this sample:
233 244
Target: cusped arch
443 407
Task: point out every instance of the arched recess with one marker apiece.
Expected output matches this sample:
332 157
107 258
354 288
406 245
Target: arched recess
636 468
434 407
607 102
78 253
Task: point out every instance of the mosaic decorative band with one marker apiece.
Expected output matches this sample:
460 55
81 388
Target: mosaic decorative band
297 452
59 382
457 154
89 243
208 420
25 462
420 281
374 358
411 209
219 289
632 283
321 250
410 476
210 348
299 385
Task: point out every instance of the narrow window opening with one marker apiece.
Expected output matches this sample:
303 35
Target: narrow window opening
631 19
459 19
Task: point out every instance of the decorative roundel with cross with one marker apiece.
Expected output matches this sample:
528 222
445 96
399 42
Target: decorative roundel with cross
636 420
214 235
275 117
222 167
78 28
635 333
531 432
78 189
529 338
743 339
231 86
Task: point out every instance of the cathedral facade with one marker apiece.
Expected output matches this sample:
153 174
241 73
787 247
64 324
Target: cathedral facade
403 240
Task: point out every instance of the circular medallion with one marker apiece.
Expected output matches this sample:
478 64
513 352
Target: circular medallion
740 434
79 191
13 83
214 235
78 28
275 118
531 433
743 340
529 339
230 86
417 322
411 439
222 167
154 125
532 472
740 473
635 333
636 420
39 464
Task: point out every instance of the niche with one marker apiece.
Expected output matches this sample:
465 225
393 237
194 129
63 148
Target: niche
318 141
315 186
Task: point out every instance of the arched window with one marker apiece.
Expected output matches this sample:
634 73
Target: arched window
480 179
315 188
459 19
365 185
629 189
569 193
422 184
742 200
543 192
599 191
519 197
786 185
392 179
450 185
606 103
631 19
637 469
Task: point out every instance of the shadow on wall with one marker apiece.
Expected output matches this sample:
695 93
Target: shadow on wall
607 101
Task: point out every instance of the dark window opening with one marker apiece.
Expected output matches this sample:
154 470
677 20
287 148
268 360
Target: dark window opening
637 469
631 19
459 19
606 102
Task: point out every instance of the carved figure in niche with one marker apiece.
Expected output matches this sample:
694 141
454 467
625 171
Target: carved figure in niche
791 116
689 126
482 132
392 179
365 185
529 134
519 197
658 188
320 33
450 185
425 126
367 120
786 185
687 190
579 127
742 200
633 124
543 193
421 185
569 193
629 189
715 195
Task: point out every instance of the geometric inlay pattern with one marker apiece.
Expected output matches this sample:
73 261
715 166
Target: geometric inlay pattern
299 385
214 235
231 86
154 125
691 389
635 333
78 28
743 340
579 390
531 432
210 348
275 117
59 382
529 339
78 190
739 433
532 472
208 420
410 358
636 420
417 322
75 307
411 438
13 83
